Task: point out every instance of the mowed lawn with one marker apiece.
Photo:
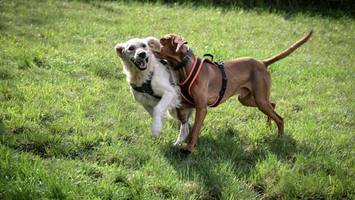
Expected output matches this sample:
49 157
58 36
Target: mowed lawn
70 129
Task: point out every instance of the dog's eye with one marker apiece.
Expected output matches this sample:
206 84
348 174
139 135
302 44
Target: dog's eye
144 45
131 48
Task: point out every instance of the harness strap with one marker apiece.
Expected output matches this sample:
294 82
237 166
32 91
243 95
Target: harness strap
146 87
186 85
224 84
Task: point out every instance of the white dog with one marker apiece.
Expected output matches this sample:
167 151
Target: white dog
152 84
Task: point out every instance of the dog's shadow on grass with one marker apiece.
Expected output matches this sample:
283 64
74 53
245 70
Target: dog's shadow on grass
227 148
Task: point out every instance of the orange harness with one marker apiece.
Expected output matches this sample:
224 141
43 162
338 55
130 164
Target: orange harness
186 85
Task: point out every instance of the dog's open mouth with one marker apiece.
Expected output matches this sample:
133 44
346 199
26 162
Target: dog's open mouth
141 64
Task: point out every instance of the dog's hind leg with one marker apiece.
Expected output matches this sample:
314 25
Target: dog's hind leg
266 107
261 93
246 98
268 118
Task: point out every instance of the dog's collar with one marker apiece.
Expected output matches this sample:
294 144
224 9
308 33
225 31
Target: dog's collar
146 87
164 62
167 67
184 61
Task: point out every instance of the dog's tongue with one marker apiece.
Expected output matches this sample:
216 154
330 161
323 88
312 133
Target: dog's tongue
142 64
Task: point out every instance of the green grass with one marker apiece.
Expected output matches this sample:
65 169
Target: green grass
70 128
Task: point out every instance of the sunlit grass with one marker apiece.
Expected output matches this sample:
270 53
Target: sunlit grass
71 129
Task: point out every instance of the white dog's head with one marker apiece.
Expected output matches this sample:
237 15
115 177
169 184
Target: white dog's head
137 52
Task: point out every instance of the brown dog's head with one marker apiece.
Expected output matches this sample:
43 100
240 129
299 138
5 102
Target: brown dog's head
173 48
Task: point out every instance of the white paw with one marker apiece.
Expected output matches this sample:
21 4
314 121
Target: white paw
178 141
157 127
184 132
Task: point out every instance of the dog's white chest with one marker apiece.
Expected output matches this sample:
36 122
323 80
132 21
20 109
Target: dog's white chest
145 99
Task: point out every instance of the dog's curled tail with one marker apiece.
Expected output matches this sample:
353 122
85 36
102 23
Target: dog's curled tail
288 51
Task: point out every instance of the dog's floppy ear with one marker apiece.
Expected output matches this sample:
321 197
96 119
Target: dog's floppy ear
153 43
179 42
165 40
119 49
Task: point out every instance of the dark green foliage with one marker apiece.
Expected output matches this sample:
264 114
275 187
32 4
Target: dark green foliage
323 7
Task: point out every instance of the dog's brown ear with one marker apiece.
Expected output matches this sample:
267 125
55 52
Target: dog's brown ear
119 49
153 43
179 43
165 40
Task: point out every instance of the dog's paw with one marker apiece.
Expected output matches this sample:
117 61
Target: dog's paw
185 151
178 142
182 136
156 133
156 129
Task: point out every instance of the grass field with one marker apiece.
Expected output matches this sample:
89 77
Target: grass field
70 128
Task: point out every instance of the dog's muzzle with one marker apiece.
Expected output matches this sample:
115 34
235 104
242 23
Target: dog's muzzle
141 61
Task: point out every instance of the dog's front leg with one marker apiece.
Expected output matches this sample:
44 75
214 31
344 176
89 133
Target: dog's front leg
201 111
199 94
183 115
184 132
159 112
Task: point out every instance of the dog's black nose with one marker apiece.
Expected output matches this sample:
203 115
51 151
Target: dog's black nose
142 54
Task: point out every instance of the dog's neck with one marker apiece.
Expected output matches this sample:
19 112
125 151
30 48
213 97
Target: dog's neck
185 70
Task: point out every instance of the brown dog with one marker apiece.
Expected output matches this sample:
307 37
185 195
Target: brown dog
247 77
